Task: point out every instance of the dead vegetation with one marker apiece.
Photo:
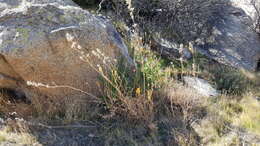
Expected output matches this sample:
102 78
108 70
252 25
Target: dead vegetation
145 106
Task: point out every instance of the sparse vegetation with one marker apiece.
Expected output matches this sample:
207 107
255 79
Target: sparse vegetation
149 104
10 138
150 100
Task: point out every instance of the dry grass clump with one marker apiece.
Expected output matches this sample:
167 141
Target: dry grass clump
232 116
66 110
127 95
11 138
189 102
16 132
177 107
250 116
162 119
136 99
137 110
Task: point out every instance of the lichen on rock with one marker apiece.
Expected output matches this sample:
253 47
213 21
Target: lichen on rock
35 45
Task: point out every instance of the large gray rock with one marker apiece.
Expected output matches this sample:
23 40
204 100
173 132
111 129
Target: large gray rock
201 86
233 42
46 44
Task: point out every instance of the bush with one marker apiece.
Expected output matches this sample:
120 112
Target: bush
231 81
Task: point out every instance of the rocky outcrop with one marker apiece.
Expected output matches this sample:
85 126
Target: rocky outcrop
221 30
232 42
54 46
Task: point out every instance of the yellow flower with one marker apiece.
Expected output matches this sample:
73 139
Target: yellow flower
149 94
141 49
138 91
114 72
100 69
191 48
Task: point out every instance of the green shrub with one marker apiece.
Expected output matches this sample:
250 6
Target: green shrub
231 80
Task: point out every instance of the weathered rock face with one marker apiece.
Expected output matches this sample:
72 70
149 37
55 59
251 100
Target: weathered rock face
201 86
47 42
224 29
233 42
251 8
